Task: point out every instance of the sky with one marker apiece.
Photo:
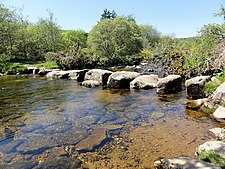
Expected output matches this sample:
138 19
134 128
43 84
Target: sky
182 18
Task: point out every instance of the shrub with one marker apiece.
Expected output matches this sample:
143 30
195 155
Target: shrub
48 64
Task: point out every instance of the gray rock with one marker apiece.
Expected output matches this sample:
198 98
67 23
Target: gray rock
91 83
195 87
99 75
214 147
32 70
183 163
169 84
44 72
218 133
219 114
144 82
58 74
121 79
1 74
77 75
217 98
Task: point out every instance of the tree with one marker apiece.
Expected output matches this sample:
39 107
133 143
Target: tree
107 14
150 36
74 37
111 41
45 36
221 12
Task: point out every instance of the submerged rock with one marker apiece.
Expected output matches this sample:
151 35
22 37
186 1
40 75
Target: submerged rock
195 104
183 163
169 85
217 98
157 115
121 79
144 82
94 140
195 87
219 114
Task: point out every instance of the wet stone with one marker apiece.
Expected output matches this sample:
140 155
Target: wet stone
157 115
11 146
93 140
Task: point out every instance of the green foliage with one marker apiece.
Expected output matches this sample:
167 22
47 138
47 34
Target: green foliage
111 41
16 68
150 36
74 57
211 157
74 37
47 64
146 54
211 86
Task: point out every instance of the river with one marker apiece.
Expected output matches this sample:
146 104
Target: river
60 124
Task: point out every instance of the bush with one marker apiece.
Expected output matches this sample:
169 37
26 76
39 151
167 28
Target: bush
75 57
48 64
15 68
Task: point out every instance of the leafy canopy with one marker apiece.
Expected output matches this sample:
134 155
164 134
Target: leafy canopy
112 40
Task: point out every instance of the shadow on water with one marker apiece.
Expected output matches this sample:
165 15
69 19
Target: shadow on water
37 114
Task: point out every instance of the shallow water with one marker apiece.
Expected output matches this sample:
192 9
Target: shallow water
38 116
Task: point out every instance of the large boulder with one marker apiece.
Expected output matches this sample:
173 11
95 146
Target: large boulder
121 79
183 163
58 75
219 114
90 83
99 75
218 133
212 151
195 87
144 82
77 75
169 85
217 98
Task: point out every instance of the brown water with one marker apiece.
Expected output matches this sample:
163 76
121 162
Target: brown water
59 124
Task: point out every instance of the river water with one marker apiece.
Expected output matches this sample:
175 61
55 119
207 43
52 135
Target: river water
60 124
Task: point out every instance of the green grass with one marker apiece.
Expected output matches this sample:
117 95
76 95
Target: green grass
211 157
47 64
210 87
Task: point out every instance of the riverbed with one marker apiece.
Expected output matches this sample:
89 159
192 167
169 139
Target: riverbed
60 124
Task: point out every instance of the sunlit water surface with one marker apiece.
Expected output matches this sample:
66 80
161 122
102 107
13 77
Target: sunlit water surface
37 115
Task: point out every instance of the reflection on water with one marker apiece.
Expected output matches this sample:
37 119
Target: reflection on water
37 115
